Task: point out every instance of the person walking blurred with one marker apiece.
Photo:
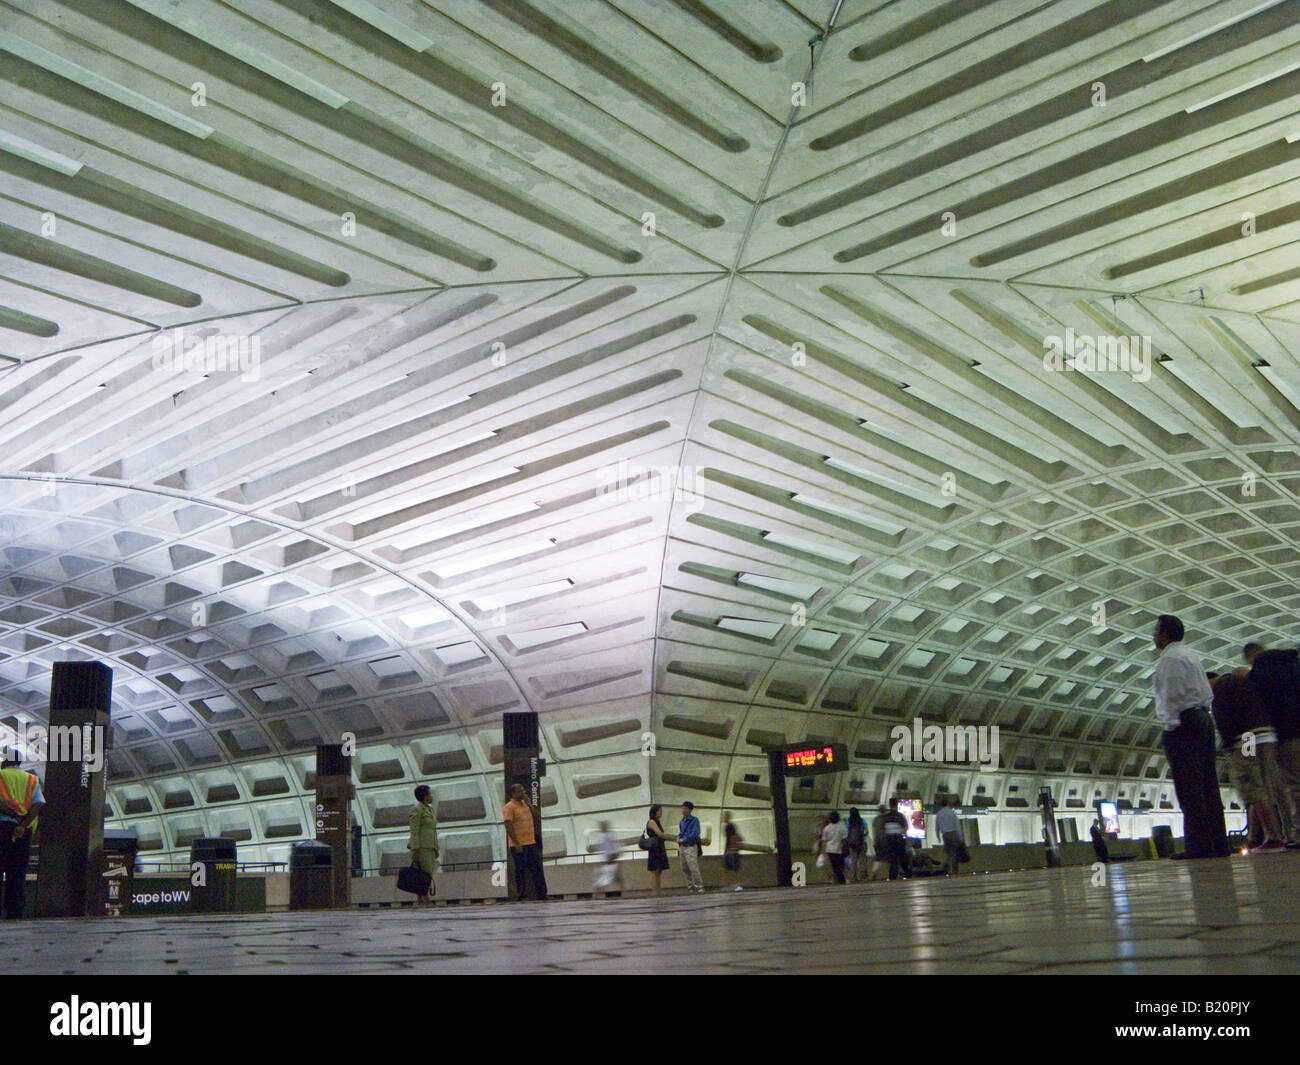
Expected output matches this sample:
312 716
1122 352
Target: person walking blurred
609 874
731 849
819 846
1275 679
1251 748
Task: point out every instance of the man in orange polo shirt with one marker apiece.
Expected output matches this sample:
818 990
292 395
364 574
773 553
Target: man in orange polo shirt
521 838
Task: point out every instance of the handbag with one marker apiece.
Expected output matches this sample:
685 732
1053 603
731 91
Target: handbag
963 855
414 880
644 842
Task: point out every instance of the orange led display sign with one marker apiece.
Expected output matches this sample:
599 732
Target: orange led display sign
825 758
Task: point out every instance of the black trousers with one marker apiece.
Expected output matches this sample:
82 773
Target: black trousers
13 863
528 862
952 842
837 866
1190 750
897 848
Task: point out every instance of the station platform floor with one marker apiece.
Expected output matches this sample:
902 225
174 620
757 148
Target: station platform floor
1231 916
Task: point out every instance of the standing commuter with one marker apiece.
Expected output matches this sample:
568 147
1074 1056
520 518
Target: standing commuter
1099 847
833 838
423 843
1275 678
1251 746
521 835
856 841
688 845
657 849
895 830
880 849
1183 698
731 849
20 806
949 829
1248 653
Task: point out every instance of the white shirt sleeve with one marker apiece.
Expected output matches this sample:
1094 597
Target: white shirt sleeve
1179 684
1160 682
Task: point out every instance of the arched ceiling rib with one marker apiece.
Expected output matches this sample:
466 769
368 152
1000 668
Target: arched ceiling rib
440 496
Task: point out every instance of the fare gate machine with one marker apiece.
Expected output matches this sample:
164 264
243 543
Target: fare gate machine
798 761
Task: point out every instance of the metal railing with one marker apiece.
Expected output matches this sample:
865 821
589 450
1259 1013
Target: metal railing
626 854
184 867
485 864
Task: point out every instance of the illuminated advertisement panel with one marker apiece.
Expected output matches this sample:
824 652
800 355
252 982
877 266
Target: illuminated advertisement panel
914 811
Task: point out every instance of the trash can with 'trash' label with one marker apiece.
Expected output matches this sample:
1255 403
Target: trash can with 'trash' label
311 876
214 891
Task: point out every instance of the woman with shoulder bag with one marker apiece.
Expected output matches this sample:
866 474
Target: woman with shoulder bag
423 843
652 841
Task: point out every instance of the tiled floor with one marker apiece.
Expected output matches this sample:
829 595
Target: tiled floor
1240 915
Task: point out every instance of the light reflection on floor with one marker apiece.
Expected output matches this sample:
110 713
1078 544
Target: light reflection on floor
1237 915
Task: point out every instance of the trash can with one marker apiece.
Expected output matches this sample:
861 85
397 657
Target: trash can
120 848
1163 838
311 876
216 894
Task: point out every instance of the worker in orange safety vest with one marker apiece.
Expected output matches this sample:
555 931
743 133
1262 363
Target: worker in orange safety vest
20 806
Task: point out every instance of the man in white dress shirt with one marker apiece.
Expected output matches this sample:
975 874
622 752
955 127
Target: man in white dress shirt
949 829
1183 699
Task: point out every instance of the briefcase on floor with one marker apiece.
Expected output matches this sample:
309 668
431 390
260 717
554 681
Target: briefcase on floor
414 880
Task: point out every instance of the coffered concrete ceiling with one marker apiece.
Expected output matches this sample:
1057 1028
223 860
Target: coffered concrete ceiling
512 267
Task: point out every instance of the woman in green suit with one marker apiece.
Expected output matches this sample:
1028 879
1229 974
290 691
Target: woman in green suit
423 843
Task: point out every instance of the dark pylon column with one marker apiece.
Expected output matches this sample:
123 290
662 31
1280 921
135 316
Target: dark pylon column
521 740
70 876
334 794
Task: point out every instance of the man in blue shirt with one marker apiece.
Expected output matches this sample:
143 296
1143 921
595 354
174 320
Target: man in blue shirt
688 845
